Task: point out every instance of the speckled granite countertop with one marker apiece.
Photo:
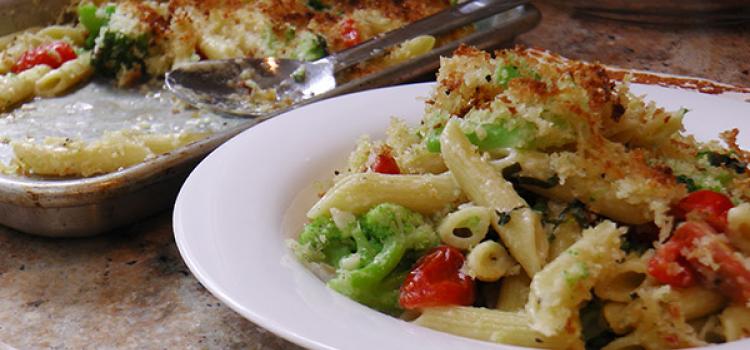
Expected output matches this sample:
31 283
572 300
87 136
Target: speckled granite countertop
130 288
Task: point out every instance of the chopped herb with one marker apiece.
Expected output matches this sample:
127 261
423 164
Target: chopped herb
549 183
725 160
580 271
503 218
511 171
289 34
578 211
317 5
689 183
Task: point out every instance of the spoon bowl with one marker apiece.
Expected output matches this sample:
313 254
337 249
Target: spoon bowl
250 86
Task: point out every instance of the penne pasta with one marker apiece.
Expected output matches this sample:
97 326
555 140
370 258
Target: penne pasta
696 302
488 262
76 35
18 88
465 227
738 219
525 238
553 300
357 193
62 79
621 281
735 321
514 292
495 326
523 234
477 178
563 236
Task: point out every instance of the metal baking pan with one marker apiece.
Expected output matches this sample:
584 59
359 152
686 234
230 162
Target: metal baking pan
89 206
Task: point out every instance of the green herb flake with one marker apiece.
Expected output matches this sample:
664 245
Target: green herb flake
579 272
503 218
317 5
689 183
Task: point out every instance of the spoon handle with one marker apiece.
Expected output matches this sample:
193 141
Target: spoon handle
441 22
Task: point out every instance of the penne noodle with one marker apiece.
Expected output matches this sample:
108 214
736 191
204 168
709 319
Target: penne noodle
62 79
76 35
514 292
472 222
477 178
564 283
356 193
525 238
735 321
523 234
621 281
18 88
495 326
488 262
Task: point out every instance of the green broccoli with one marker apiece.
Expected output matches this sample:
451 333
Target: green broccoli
325 242
117 52
311 47
93 19
373 256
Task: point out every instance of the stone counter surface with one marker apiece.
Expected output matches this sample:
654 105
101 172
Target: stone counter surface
130 288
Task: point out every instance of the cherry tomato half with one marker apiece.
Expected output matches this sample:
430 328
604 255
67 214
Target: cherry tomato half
669 267
53 54
709 255
706 205
437 280
385 163
350 34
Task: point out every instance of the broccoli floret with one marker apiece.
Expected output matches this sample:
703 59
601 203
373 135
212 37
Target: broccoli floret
311 47
374 257
116 53
324 242
93 18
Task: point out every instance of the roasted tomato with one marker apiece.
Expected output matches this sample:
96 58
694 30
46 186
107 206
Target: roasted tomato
437 280
707 255
350 34
705 205
53 55
385 163
669 267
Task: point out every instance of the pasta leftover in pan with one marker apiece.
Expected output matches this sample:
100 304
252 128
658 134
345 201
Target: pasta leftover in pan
132 41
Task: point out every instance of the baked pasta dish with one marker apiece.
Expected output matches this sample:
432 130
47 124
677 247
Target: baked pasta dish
540 203
129 42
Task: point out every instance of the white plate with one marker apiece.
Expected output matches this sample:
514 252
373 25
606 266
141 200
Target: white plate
243 201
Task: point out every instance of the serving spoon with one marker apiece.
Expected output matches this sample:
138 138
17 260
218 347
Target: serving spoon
258 87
